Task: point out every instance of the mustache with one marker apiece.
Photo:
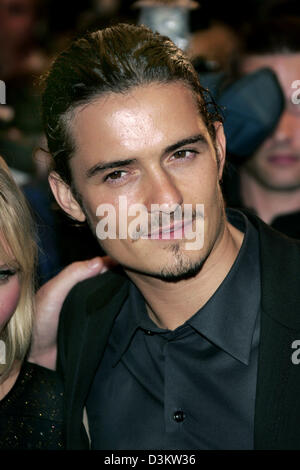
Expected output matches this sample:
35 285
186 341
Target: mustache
155 223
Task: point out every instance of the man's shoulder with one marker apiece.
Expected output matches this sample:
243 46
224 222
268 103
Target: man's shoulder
101 281
280 271
268 233
279 253
101 288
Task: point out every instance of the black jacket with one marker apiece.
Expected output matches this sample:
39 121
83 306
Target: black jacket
88 315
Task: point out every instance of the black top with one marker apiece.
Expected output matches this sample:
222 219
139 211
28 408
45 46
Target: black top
191 388
31 412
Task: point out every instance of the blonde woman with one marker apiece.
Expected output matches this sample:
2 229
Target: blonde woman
30 395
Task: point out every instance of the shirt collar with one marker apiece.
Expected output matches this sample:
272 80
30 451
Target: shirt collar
227 319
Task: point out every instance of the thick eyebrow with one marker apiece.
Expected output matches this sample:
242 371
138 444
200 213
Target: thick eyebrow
108 165
189 140
100 167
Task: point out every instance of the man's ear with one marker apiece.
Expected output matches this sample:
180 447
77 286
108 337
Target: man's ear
220 146
64 197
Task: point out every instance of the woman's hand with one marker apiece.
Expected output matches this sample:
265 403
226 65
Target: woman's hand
49 300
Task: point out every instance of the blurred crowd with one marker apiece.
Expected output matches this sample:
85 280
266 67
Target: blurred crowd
226 42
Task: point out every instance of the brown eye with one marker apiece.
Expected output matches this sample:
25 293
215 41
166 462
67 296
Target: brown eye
180 154
114 175
184 154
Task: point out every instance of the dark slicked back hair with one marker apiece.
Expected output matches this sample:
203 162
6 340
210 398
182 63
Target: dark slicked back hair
112 60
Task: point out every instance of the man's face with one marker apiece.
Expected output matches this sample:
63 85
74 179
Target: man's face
159 152
276 164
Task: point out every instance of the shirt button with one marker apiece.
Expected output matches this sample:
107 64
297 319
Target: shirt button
149 332
179 416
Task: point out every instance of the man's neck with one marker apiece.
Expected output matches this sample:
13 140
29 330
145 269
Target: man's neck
267 203
169 305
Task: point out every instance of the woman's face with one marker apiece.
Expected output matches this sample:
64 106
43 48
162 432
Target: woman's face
10 289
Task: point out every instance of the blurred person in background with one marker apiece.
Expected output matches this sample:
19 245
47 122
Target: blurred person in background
21 24
22 59
192 27
217 43
269 181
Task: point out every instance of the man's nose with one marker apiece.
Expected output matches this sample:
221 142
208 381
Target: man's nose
162 189
287 128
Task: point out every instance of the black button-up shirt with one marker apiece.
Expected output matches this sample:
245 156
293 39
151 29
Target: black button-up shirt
191 388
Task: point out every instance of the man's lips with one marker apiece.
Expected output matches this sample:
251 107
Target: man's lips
283 159
170 232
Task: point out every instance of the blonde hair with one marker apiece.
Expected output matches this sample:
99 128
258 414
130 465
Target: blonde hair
17 247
